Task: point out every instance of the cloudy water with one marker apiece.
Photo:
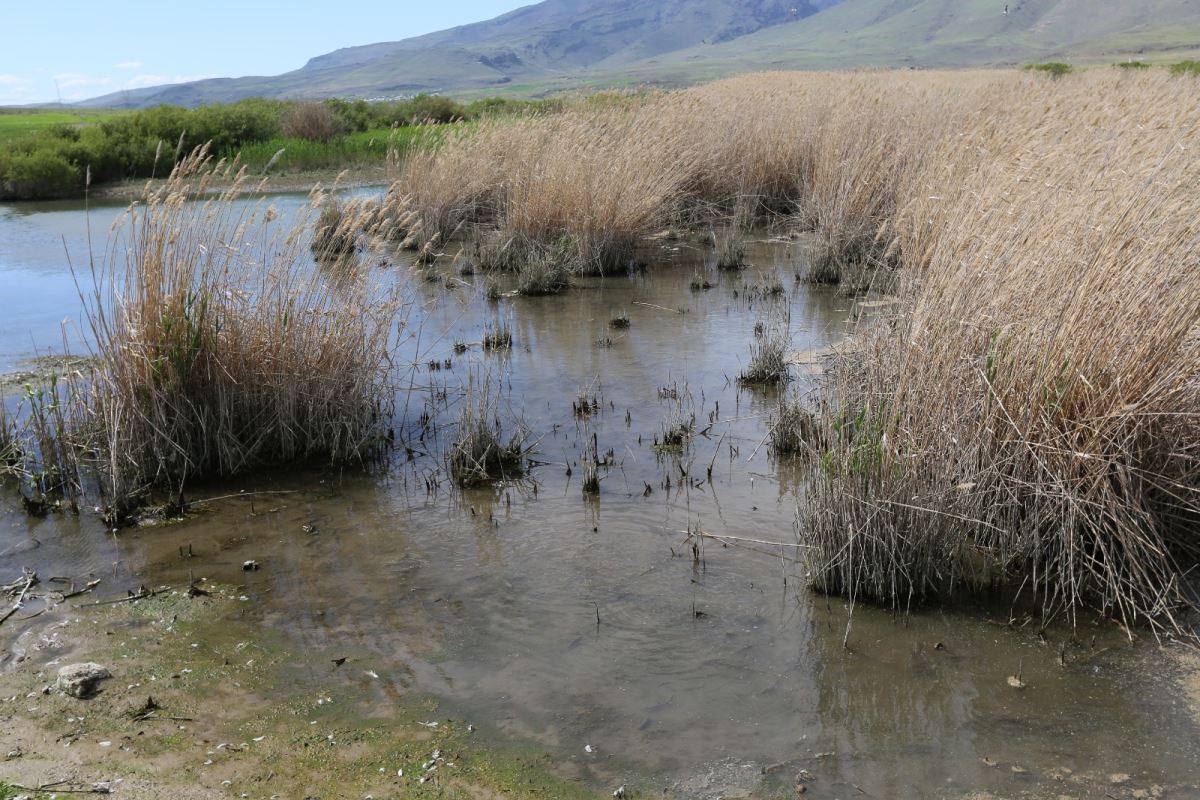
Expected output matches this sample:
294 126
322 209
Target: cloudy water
602 627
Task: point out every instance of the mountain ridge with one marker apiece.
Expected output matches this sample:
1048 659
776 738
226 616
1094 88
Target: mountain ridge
563 44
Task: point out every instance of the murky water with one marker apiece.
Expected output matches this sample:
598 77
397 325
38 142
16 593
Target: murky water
591 625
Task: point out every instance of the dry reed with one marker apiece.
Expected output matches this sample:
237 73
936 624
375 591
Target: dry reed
1028 414
480 452
218 348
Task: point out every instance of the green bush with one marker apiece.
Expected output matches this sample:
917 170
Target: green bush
38 175
1132 65
1186 68
1053 68
147 143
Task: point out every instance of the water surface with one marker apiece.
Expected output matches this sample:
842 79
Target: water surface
591 625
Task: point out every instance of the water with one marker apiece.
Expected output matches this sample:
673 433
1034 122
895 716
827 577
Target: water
577 622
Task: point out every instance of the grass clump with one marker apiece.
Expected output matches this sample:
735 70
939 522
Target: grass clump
546 270
765 288
1190 67
1055 69
541 269
1132 65
768 356
676 433
731 252
335 232
497 336
214 356
480 454
793 429
1024 418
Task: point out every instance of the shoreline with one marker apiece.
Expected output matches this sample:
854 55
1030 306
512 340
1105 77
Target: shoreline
286 183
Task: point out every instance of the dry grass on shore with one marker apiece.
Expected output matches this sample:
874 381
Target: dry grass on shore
1030 414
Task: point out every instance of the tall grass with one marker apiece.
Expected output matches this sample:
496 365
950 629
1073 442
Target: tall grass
481 452
218 348
280 154
1028 415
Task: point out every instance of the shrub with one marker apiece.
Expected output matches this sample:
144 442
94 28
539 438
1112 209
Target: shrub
1186 68
1055 69
37 175
313 122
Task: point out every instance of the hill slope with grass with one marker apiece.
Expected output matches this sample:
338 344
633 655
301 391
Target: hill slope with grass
951 33
562 44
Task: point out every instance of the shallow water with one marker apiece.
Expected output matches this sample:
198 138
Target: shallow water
590 625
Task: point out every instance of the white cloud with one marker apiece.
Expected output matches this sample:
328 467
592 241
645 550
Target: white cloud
15 90
142 81
77 80
74 86
129 65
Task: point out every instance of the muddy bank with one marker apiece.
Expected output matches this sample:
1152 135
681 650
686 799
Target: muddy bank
205 702
199 706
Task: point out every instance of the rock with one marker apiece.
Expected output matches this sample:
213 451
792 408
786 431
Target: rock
82 680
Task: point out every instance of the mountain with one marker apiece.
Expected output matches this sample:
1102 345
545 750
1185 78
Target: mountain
562 44
533 45
949 34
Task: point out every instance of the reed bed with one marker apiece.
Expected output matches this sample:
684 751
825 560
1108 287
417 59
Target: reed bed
1026 415
1029 417
217 348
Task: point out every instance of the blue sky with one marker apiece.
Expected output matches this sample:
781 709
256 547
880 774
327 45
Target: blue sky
91 48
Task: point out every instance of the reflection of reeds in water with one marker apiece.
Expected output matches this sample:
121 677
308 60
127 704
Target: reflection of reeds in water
218 349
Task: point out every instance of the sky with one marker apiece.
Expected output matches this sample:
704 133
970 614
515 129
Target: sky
76 49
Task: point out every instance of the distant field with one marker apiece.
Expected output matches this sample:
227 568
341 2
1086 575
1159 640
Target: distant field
18 122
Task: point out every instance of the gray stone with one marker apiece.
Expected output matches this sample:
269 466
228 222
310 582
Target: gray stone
82 680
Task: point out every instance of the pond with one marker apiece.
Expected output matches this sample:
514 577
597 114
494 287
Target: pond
597 626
